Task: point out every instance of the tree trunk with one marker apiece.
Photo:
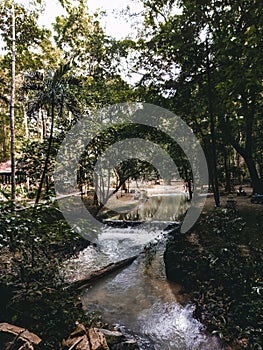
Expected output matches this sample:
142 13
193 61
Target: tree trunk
227 172
44 124
257 182
212 130
190 190
95 197
26 124
12 109
45 171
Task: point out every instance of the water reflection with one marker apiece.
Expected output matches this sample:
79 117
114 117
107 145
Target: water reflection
158 208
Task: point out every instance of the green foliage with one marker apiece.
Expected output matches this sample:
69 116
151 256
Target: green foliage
34 51
82 40
31 286
226 276
33 157
32 42
36 236
207 51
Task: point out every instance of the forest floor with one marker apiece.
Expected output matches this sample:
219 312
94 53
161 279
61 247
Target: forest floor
251 213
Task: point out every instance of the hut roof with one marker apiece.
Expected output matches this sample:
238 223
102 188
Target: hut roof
5 167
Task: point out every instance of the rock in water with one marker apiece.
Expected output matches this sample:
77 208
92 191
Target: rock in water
112 337
126 345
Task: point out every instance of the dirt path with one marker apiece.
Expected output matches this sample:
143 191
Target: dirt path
243 203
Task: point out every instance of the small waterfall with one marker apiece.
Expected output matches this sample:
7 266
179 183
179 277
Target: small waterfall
139 298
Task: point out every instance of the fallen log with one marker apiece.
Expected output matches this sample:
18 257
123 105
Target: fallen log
105 271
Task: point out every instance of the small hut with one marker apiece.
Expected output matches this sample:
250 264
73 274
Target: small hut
5 173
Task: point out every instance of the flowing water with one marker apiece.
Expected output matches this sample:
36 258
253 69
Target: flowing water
139 297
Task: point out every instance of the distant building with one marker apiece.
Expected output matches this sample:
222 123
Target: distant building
5 174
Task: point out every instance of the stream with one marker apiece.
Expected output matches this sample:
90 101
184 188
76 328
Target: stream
139 298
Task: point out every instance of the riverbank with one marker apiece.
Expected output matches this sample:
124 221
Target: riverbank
220 262
32 289
34 243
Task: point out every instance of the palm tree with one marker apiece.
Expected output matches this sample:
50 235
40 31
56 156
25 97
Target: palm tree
53 93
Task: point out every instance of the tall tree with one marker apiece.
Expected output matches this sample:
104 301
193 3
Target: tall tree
33 51
94 55
12 108
240 86
173 58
